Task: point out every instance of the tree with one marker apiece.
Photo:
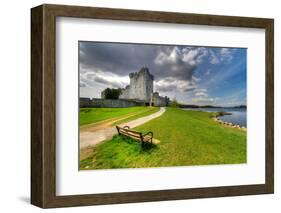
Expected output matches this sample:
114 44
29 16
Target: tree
174 103
112 93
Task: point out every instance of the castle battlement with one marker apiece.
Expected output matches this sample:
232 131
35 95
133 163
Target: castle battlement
144 71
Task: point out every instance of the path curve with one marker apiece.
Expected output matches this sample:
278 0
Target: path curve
88 138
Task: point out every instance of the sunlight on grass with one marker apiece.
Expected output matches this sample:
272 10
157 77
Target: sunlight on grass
187 138
94 115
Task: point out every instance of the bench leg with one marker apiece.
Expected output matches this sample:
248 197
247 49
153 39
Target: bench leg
118 130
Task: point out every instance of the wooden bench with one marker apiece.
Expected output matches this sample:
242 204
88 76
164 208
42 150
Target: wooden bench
143 138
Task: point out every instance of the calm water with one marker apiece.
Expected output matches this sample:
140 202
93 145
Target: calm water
238 115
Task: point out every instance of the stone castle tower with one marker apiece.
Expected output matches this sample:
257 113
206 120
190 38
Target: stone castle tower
141 86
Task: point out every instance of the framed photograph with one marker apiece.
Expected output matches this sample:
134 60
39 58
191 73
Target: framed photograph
137 106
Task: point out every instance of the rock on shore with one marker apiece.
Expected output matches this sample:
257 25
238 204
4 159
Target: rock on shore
229 124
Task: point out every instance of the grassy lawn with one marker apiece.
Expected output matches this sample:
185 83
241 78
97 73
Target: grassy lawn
187 138
94 115
142 113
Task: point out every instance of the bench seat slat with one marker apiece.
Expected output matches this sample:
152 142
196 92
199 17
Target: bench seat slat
129 130
131 133
146 138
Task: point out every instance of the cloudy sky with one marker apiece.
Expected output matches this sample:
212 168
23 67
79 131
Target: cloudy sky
192 75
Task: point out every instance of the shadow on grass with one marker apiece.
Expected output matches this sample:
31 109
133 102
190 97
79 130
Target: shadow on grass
148 146
145 147
116 152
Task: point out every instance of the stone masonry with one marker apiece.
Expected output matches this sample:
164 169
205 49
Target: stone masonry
141 86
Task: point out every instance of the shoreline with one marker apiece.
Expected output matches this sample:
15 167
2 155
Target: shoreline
227 124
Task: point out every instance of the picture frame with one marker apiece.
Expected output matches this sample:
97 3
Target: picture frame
43 105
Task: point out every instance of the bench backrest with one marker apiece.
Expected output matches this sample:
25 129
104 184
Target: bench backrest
130 133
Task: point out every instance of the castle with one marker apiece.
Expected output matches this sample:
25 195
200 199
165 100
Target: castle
138 93
141 89
141 86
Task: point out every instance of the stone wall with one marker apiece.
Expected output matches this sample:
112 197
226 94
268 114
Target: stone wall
84 102
159 100
110 103
125 93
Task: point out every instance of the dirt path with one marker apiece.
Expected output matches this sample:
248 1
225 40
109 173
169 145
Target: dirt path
90 138
106 123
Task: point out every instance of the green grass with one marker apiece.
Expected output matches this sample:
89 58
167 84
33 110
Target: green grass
187 138
142 113
94 115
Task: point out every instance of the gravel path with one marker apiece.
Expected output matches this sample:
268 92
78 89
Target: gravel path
88 138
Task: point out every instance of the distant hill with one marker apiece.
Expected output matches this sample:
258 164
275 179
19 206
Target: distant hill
208 106
197 106
188 106
241 106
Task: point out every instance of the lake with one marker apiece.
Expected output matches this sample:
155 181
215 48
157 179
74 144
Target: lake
238 115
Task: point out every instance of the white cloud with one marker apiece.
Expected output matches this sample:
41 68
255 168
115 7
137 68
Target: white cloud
225 55
213 57
167 57
200 90
107 79
201 97
192 56
205 100
201 94
195 79
172 84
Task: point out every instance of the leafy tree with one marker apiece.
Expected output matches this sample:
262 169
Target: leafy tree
174 103
112 93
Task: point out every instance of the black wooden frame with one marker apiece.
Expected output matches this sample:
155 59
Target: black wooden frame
43 105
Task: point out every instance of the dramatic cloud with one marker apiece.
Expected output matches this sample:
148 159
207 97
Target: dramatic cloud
116 58
187 72
178 62
174 85
89 79
164 62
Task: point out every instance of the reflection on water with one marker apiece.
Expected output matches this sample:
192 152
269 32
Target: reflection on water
238 115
